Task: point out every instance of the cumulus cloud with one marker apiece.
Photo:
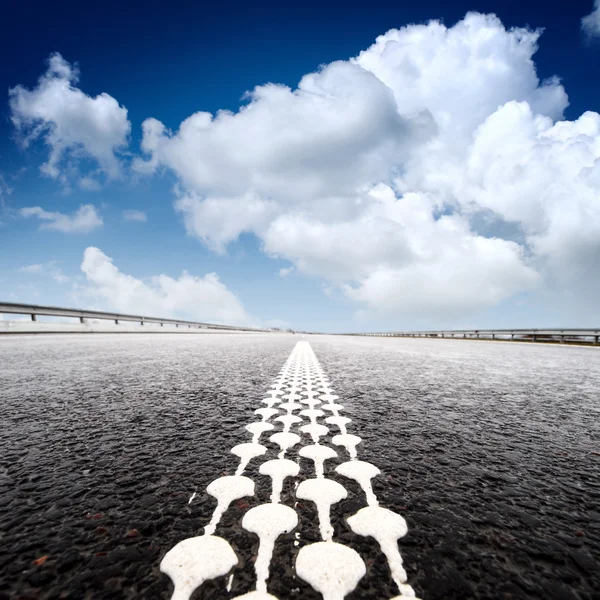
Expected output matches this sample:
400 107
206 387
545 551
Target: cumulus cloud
73 124
84 220
286 271
187 297
134 215
591 23
433 174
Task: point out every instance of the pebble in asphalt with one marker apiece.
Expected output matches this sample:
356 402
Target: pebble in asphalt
488 450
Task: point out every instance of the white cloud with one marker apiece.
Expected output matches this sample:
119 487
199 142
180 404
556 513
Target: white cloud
86 219
5 190
37 268
187 297
286 271
90 184
50 268
591 23
553 195
134 215
73 124
432 175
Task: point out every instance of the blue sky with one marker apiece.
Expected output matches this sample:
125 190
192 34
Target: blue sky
442 186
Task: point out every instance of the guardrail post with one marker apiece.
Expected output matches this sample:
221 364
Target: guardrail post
562 339
493 336
33 318
142 322
534 337
161 324
512 336
81 320
116 321
596 340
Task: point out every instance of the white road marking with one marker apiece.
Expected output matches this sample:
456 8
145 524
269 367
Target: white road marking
318 454
349 442
257 429
324 493
266 413
362 472
246 453
288 421
278 470
268 522
341 423
387 528
315 431
226 490
329 567
285 441
191 562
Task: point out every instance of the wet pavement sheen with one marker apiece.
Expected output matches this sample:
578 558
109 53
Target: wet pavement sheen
489 450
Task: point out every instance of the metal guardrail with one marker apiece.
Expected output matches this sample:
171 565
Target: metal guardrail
82 315
585 336
589 336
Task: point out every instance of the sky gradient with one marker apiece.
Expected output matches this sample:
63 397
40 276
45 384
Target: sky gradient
320 167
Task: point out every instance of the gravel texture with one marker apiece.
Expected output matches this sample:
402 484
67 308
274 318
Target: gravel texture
490 451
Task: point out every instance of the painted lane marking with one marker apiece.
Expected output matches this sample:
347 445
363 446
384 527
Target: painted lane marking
387 528
288 421
290 406
285 441
324 493
191 562
226 490
246 452
349 442
318 454
312 414
268 522
257 429
362 472
266 413
315 430
278 470
340 422
331 568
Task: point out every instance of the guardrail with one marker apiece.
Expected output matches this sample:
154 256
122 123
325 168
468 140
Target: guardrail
563 336
83 315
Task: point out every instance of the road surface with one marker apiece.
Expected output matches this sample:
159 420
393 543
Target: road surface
489 451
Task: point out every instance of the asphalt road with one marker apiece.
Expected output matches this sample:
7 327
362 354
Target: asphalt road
489 450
